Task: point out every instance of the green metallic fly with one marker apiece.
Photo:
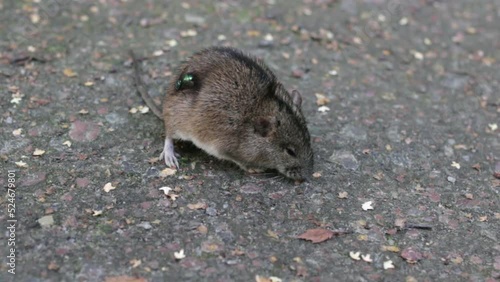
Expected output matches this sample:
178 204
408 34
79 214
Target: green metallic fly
185 81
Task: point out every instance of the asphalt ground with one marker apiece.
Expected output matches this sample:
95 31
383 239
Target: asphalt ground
402 102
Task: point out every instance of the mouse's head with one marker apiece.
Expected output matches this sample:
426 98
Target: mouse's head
280 136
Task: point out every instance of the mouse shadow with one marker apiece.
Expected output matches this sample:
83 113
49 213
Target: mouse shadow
189 153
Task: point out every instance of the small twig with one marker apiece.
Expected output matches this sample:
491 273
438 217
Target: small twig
417 226
26 59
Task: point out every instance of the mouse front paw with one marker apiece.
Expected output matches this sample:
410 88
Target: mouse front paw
171 161
168 154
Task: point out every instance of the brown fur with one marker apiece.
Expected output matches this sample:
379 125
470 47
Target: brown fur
235 109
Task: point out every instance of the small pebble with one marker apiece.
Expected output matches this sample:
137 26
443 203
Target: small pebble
451 179
211 211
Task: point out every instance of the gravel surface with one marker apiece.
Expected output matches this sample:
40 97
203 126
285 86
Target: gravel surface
403 105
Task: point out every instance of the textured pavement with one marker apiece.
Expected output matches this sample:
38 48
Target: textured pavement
402 100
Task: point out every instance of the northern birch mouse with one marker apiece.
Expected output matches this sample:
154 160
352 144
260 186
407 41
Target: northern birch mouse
233 107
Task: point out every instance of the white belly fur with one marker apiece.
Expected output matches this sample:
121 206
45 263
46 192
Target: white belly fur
209 148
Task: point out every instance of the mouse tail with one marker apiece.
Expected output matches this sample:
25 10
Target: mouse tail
141 87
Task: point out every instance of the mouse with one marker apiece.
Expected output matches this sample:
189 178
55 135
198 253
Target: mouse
232 106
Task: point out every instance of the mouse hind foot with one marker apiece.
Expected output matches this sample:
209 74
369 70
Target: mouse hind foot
168 153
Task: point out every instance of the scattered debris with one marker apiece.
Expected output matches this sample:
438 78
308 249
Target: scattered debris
319 235
411 255
135 263
38 152
355 255
342 195
197 206
388 264
367 206
69 73
96 212
167 172
46 221
366 258
21 164
323 109
179 255
108 187
393 249
17 132
166 190
321 99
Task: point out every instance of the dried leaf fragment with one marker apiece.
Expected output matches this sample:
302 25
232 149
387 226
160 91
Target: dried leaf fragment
197 206
393 249
457 260
202 229
388 264
17 132
316 235
167 172
418 55
69 72
38 152
333 72
411 255
108 187
400 223
272 234
323 109
342 195
355 255
366 258
53 266
96 212
259 278
21 164
124 278
143 109
321 99
165 190
172 42
179 255
135 262
188 33
367 206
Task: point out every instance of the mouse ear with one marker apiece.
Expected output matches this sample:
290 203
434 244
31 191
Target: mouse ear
263 126
296 98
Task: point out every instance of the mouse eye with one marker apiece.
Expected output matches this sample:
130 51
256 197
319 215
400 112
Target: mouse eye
291 152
